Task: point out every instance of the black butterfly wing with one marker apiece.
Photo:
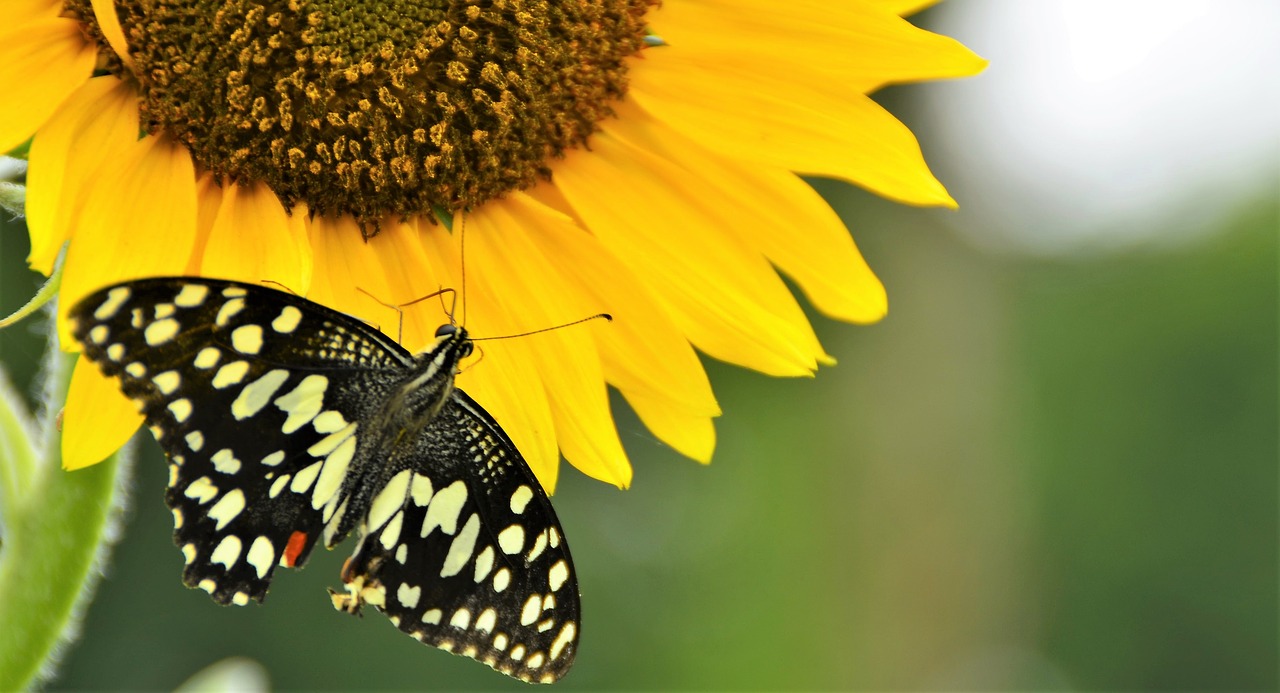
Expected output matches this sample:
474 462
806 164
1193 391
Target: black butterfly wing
463 551
253 394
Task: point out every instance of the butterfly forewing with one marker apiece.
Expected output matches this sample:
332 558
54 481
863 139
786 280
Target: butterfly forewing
283 424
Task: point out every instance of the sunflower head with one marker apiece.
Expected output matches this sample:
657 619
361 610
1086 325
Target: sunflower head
385 107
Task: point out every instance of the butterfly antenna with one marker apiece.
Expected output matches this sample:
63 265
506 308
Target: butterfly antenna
399 308
579 321
462 253
282 286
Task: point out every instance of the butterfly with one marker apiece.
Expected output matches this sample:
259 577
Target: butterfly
286 423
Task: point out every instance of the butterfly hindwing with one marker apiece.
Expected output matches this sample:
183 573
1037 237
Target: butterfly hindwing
467 555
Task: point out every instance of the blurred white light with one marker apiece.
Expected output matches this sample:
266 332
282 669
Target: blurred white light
1104 124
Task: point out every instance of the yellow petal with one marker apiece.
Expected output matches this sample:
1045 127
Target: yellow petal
777 212
98 418
642 350
723 294
849 42
787 121
45 60
905 8
690 435
507 263
21 11
253 239
342 267
410 277
104 11
208 202
504 379
346 276
139 220
97 123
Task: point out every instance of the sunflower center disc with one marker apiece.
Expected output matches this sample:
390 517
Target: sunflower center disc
379 107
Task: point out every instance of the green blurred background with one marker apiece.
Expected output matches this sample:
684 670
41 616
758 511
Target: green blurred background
1053 466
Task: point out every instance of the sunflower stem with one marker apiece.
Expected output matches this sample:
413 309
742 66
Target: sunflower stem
58 528
17 449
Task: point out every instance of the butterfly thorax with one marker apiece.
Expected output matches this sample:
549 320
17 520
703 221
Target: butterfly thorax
417 399
406 409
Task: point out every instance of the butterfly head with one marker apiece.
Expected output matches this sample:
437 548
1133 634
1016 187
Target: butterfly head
450 332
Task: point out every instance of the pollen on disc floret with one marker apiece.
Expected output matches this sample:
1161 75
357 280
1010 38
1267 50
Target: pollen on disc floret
378 107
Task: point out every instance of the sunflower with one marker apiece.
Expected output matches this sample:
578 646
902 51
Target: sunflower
618 156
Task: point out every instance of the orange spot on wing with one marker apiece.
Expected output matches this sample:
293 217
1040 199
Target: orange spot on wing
297 542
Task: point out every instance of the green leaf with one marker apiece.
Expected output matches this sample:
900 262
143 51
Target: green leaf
58 529
45 294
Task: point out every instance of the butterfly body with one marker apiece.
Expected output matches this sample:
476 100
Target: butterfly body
287 424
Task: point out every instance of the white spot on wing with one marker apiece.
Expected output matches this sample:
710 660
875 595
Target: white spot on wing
181 409
167 382
539 544
563 639
501 579
225 461
261 555
278 485
329 421
191 295
160 331
487 620
532 608
520 499
303 479
461 619
557 575
389 499
136 369
511 539
228 551
445 507
195 440
99 334
256 394
287 321
484 563
230 374
115 298
201 490
331 442
247 339
227 508
334 471
228 310
420 490
408 595
432 616
461 548
303 402
391 533
115 352
207 358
